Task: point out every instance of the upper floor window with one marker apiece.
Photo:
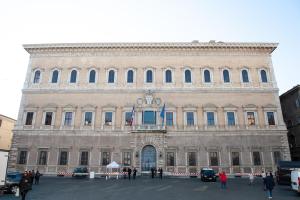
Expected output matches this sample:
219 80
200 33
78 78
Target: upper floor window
245 77
168 76
226 77
271 118
37 76
210 118
128 118
73 78
68 118
92 76
22 157
48 118
149 76
43 157
108 118
111 76
169 118
250 118
187 76
263 76
207 78
88 117
130 76
54 78
149 117
190 118
230 119
29 118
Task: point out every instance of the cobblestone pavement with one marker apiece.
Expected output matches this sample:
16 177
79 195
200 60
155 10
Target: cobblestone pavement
61 188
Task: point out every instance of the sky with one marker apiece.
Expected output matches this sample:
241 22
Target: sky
68 21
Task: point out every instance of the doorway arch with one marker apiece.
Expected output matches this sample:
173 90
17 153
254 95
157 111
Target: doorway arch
148 158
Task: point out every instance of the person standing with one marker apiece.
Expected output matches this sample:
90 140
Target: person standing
129 172
152 172
223 180
124 172
37 177
263 175
251 178
160 173
24 185
270 185
134 173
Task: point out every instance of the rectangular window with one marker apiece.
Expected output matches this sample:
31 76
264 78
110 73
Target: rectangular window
48 118
84 158
22 157
256 158
277 157
68 118
210 118
190 118
235 157
230 119
43 156
213 158
127 158
29 118
128 118
271 119
149 117
169 118
192 158
108 118
88 116
170 159
250 118
105 158
63 158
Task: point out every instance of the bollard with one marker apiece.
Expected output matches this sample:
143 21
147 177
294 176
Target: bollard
92 175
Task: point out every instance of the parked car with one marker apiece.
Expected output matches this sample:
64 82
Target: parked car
208 174
12 181
80 172
284 169
295 180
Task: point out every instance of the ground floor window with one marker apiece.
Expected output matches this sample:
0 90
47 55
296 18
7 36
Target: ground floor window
213 158
235 157
22 159
105 158
256 158
277 156
43 155
192 159
84 158
63 158
170 159
127 158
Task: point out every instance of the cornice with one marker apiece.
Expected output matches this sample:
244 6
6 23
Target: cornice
185 46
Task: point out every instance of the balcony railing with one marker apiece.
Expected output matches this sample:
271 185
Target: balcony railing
148 128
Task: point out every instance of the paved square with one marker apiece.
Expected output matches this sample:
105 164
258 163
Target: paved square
60 188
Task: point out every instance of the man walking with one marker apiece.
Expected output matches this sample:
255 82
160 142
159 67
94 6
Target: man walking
25 185
37 177
270 185
160 172
134 173
129 172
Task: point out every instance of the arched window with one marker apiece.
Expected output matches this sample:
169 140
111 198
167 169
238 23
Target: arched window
130 76
168 76
111 76
73 77
226 77
245 76
207 76
37 76
263 76
187 76
92 77
54 76
149 76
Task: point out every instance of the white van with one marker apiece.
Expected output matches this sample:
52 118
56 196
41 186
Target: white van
3 167
295 180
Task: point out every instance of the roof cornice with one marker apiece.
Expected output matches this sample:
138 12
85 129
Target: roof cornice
270 47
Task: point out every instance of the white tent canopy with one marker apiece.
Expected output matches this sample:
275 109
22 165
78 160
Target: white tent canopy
112 165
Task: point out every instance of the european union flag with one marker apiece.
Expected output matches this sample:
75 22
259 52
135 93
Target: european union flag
162 113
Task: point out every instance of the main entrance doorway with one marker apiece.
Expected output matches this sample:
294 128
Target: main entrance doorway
148 158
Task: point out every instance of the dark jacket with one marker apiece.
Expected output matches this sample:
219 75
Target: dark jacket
269 183
25 184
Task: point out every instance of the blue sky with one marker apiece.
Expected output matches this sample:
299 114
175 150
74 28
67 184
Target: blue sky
34 21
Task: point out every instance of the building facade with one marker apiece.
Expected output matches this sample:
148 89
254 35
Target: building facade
90 104
290 105
6 134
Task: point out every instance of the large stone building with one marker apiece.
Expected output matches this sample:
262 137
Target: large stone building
290 105
6 134
221 100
